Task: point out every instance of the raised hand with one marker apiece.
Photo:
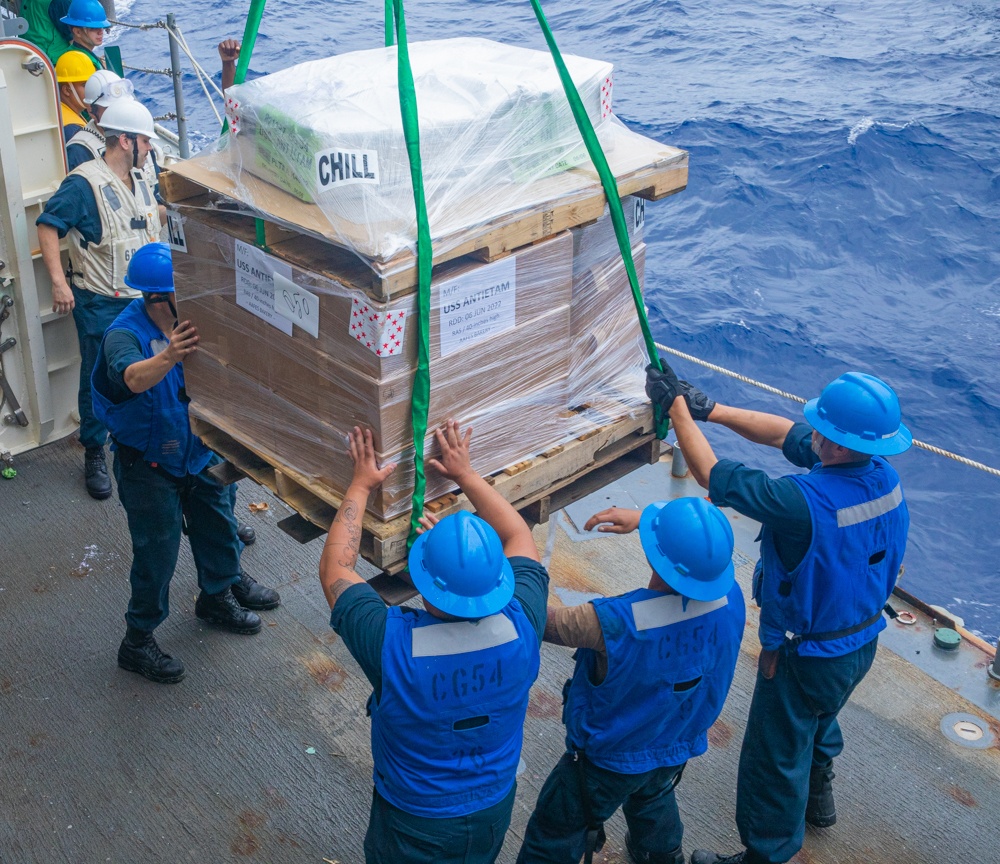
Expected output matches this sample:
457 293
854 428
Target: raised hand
454 462
367 474
614 520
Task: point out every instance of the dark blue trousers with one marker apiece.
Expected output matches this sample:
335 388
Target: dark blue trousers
93 314
557 830
158 506
792 727
397 837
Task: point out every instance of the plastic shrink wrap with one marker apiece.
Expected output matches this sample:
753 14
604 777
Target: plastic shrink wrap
493 122
308 338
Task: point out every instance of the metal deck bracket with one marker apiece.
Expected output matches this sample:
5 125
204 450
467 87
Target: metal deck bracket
967 730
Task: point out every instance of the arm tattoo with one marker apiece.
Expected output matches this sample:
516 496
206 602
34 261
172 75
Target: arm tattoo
347 516
334 591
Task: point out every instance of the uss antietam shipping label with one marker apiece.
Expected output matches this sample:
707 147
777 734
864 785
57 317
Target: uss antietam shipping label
337 167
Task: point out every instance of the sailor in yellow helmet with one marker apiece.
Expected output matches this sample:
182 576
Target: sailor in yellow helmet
107 210
72 71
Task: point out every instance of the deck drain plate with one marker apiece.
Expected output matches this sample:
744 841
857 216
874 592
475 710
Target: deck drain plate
967 730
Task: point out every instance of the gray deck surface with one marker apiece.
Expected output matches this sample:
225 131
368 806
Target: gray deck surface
262 752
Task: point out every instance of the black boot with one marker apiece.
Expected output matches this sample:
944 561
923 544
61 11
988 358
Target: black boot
821 812
95 474
675 856
140 653
246 534
250 594
221 610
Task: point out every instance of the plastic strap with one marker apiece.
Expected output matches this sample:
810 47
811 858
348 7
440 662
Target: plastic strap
422 379
390 33
614 200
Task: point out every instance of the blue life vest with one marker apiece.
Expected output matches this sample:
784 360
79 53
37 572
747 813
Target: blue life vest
859 526
446 732
670 663
155 422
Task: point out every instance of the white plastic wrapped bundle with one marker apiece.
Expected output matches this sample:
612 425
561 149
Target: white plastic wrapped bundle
493 122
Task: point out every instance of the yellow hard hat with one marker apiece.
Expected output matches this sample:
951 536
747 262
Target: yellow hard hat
73 66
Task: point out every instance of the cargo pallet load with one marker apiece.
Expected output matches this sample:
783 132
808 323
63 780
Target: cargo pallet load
295 259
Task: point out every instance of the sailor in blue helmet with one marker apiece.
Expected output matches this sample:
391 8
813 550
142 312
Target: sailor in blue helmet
162 473
450 681
653 668
86 21
831 546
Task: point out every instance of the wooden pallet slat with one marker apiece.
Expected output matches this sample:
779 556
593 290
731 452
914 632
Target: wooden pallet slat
539 485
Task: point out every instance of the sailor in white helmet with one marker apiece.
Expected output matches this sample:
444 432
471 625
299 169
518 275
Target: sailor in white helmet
108 210
102 88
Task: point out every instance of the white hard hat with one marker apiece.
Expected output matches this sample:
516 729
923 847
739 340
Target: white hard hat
104 86
129 117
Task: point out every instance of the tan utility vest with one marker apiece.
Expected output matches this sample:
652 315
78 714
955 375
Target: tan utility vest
129 220
91 137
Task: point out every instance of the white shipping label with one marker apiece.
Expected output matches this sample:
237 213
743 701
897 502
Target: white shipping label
336 167
298 305
255 284
478 304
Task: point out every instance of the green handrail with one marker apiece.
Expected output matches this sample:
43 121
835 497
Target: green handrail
600 161
421 379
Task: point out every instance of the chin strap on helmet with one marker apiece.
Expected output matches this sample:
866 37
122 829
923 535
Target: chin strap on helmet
163 298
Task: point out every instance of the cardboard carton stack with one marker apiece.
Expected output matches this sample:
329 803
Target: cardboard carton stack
301 341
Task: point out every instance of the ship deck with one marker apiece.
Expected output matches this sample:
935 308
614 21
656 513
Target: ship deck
262 752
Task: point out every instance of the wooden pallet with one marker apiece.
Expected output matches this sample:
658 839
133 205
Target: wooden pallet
536 487
302 234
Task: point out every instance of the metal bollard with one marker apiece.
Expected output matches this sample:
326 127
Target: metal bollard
994 668
678 464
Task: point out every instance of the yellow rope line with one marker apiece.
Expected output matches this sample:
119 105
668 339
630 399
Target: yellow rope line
923 446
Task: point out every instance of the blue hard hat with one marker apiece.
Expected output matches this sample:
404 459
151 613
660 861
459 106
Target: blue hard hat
85 13
689 544
860 412
459 567
150 269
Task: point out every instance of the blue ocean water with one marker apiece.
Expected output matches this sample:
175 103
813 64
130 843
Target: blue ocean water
843 207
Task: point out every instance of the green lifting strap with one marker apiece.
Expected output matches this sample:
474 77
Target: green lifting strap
614 200
242 66
390 33
422 378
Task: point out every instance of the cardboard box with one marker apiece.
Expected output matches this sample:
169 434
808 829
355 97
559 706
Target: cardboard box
294 396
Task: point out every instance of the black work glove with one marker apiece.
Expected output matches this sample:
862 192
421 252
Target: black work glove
662 387
699 404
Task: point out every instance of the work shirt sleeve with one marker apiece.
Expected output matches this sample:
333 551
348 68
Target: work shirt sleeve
358 617
797 448
121 350
73 206
576 626
531 590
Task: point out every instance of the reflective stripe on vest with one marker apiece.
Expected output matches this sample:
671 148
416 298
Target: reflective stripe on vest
100 267
670 609
459 637
848 516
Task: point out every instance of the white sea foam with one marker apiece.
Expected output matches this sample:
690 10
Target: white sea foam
866 123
